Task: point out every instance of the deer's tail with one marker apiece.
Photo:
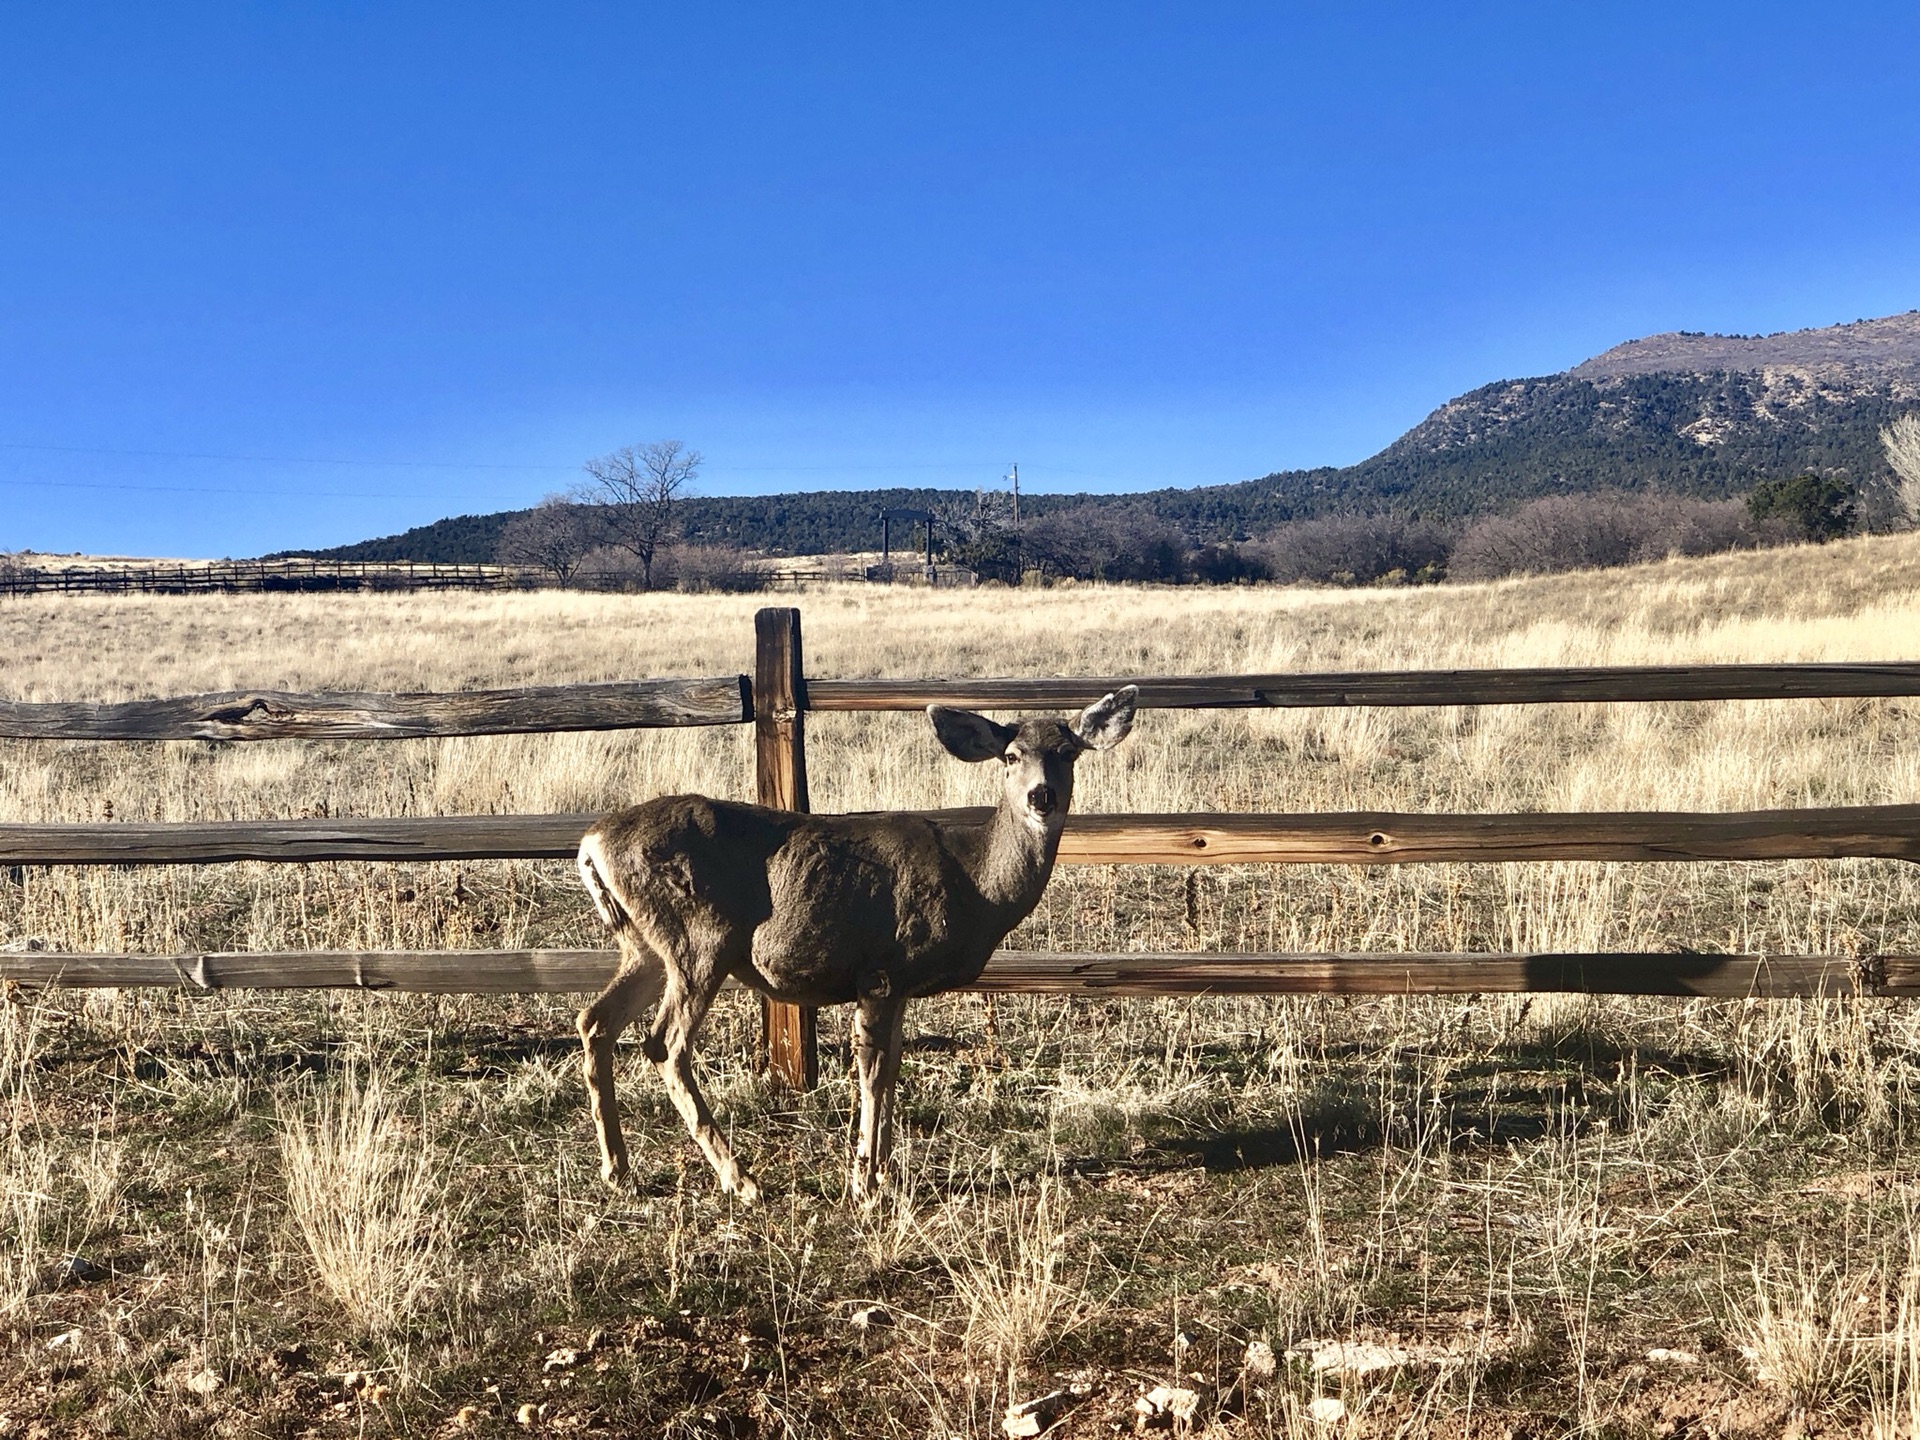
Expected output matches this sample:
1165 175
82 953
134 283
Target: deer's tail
597 875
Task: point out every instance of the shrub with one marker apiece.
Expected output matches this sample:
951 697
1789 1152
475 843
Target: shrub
607 568
1580 532
701 569
1097 542
1354 550
1820 507
1224 564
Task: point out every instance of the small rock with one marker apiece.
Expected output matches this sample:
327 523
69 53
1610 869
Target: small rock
871 1317
1033 1417
562 1359
1166 1407
67 1340
285 1361
1327 1411
466 1417
530 1415
1360 1359
1260 1363
203 1382
1659 1355
77 1270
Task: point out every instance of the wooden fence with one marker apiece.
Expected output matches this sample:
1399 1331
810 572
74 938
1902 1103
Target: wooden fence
336 576
776 699
233 576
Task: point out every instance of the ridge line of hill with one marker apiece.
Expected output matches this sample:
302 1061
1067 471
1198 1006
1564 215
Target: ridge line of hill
1695 415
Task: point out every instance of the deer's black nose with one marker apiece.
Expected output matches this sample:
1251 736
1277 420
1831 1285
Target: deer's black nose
1041 798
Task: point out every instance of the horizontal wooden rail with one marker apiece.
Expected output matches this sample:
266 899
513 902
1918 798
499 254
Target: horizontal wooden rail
1024 972
721 700
1041 972
277 715
1887 832
451 837
1389 687
430 972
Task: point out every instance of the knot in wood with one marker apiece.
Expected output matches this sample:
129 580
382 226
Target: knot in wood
1869 974
253 707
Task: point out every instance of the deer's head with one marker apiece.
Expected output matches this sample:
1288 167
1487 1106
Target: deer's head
1039 755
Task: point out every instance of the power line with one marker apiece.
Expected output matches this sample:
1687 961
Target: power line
280 459
496 465
448 465
229 490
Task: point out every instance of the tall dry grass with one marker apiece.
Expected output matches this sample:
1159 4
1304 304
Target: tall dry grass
368 1194
27 1164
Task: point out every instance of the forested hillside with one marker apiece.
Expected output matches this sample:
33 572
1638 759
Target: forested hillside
1704 416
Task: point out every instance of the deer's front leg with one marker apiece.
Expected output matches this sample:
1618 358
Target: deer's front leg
876 1051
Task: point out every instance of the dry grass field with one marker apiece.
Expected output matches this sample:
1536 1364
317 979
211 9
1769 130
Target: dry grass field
337 1214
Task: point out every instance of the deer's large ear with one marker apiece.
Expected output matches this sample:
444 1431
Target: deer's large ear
968 736
1105 723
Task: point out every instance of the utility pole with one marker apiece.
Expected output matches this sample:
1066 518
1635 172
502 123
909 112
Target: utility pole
1013 474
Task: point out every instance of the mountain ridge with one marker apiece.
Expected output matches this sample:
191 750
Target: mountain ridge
1889 340
1689 413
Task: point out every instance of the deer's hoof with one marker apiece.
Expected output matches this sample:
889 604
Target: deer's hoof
746 1191
614 1172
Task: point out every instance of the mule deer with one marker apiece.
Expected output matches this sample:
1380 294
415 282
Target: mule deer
872 910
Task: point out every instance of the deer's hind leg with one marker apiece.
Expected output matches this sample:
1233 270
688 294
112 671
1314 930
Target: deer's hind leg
640 982
690 992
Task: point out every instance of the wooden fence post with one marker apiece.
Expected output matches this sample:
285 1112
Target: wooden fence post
789 1048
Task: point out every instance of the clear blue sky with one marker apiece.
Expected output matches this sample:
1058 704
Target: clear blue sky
285 275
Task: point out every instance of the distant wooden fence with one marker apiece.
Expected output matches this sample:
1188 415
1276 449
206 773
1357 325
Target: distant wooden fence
234 576
778 696
336 576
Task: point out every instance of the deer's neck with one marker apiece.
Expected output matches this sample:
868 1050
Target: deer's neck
1016 860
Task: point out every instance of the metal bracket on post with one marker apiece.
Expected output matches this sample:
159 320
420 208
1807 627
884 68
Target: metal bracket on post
789 1048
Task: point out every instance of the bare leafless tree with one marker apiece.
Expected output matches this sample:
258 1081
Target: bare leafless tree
1902 442
554 536
632 493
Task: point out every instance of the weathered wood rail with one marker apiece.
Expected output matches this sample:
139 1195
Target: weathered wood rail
281 715
775 700
1574 686
1030 972
1868 832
